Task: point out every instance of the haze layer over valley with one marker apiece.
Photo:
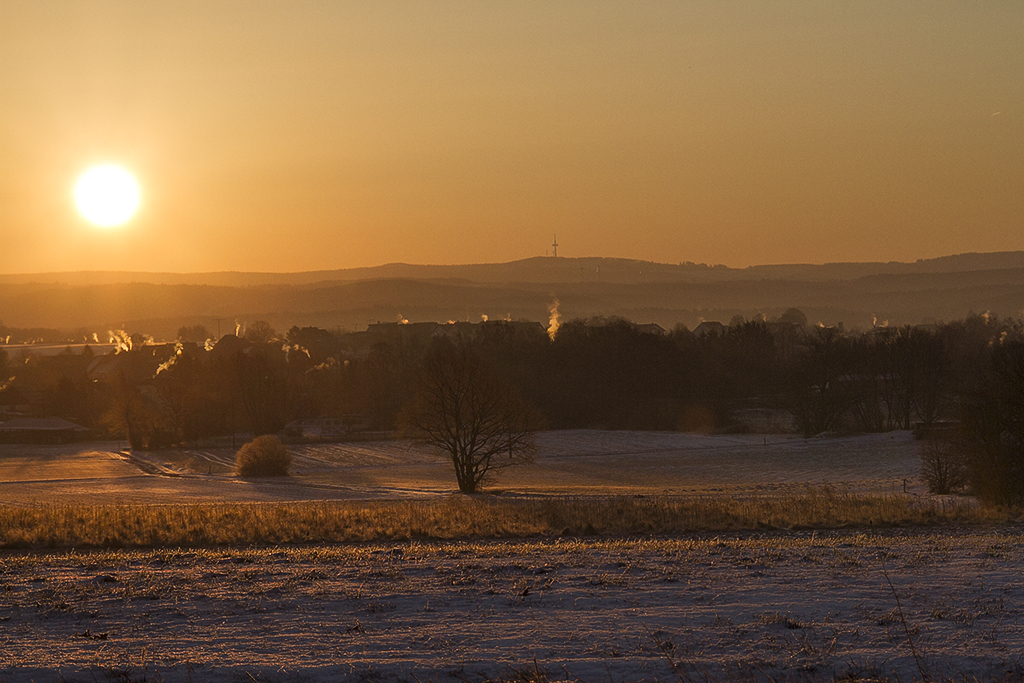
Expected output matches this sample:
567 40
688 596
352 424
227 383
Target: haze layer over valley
856 294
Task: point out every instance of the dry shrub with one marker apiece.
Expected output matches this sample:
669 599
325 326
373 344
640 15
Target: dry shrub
943 465
264 456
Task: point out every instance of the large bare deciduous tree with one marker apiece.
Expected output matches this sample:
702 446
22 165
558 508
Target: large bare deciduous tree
469 415
130 415
260 332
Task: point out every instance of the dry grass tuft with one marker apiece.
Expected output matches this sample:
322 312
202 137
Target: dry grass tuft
234 524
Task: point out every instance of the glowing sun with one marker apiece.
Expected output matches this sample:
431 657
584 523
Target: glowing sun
107 195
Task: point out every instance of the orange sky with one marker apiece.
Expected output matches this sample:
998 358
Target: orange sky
286 136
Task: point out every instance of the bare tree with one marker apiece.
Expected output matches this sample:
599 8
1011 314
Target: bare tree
130 416
818 397
193 333
469 415
943 464
261 385
993 424
260 332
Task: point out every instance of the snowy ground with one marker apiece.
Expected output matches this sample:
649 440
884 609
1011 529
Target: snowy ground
777 608
577 462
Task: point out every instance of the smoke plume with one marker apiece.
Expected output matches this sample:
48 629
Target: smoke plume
120 339
166 365
553 320
290 349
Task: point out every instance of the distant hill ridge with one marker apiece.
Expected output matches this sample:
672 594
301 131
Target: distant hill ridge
548 270
857 294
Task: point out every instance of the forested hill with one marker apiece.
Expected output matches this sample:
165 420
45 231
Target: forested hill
855 294
546 270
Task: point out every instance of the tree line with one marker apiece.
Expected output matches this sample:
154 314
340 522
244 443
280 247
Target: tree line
604 373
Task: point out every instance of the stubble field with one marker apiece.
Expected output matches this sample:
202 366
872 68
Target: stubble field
863 603
790 607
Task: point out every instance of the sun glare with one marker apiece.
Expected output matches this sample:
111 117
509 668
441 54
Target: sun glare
107 195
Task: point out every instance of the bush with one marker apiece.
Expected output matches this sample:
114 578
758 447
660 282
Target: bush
264 456
943 465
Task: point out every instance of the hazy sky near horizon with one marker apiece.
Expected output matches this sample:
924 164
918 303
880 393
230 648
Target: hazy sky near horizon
306 135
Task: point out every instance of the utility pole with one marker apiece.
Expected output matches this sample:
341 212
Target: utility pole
554 246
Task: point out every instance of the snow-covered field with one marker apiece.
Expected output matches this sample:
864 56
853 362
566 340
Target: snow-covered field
577 462
770 607
780 608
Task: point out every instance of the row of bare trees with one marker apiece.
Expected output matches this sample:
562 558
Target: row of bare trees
477 396
603 374
877 382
